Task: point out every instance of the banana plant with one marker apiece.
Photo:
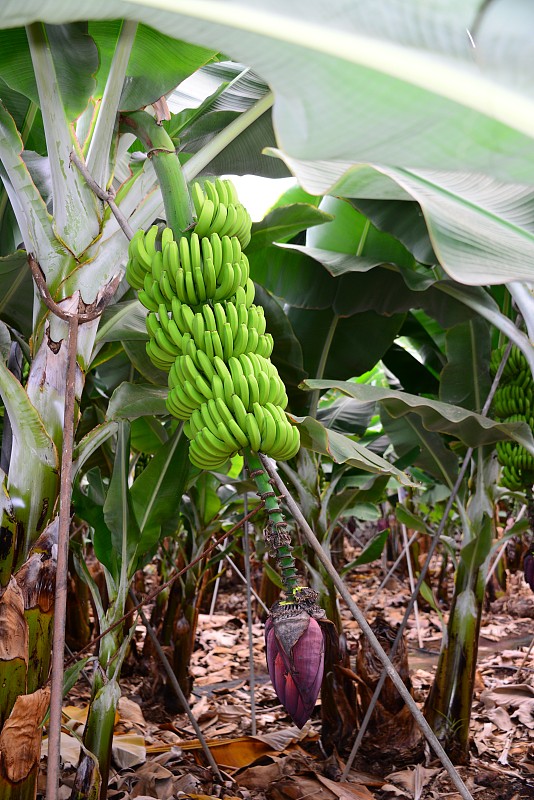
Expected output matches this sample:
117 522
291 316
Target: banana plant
70 105
66 107
126 523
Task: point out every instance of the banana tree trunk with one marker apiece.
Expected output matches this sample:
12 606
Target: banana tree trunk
448 705
26 608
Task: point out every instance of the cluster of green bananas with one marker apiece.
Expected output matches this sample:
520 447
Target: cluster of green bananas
219 211
514 402
205 330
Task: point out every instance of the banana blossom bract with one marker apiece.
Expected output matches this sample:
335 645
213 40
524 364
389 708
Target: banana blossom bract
295 658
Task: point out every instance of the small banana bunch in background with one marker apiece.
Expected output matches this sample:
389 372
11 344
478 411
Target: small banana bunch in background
514 402
205 330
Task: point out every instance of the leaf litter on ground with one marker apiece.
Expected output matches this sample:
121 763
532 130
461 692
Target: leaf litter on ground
158 755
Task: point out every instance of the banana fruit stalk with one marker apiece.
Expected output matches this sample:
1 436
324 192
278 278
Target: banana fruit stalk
206 332
514 402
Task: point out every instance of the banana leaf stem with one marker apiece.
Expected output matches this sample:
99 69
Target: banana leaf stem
276 533
160 149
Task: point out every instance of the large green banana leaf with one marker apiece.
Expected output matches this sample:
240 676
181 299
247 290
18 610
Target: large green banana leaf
447 85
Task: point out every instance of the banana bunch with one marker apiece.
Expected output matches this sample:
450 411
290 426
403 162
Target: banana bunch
219 211
514 402
206 332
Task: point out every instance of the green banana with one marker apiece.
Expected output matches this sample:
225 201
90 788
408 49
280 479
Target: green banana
206 332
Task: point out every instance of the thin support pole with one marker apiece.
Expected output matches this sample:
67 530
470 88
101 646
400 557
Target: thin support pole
176 686
364 625
74 320
216 587
402 498
252 678
60 599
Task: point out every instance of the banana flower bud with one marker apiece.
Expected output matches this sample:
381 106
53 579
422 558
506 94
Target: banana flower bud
295 654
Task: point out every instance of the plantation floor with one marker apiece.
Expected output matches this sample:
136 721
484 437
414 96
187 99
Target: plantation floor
156 754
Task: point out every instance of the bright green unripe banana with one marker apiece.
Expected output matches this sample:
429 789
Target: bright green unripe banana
205 330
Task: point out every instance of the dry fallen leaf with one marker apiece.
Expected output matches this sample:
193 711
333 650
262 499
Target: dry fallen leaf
128 750
501 718
346 791
69 749
154 781
411 781
129 711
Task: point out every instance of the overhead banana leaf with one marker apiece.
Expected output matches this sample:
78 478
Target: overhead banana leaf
472 429
390 71
344 450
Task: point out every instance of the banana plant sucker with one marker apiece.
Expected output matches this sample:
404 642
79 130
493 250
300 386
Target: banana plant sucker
206 331
448 705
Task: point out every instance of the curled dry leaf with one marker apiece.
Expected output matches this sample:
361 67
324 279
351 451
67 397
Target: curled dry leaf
346 791
297 787
155 780
510 695
13 627
501 718
409 782
20 739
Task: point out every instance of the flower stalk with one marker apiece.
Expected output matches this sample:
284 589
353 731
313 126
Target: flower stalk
276 533
172 182
294 636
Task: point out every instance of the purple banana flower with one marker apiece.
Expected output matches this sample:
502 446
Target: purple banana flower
295 657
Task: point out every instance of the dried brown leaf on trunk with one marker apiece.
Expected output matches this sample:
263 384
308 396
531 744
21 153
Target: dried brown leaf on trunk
37 576
20 739
13 627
